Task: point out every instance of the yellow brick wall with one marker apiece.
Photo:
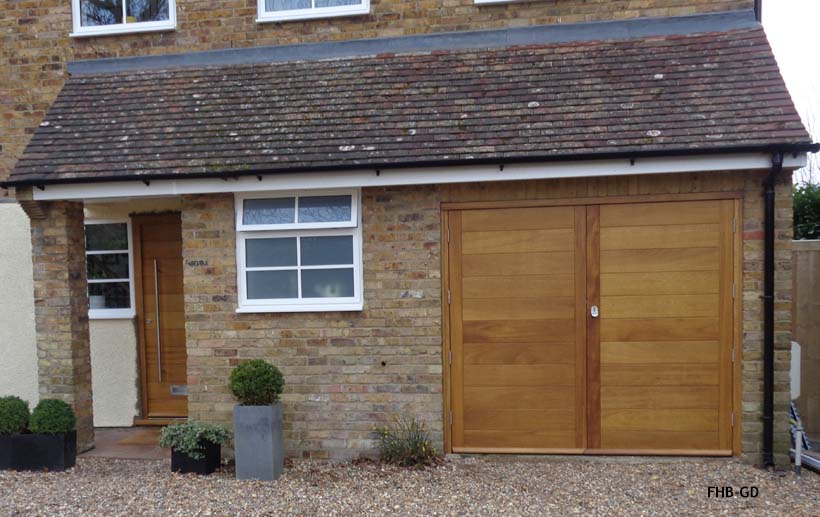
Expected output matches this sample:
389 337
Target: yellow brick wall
346 373
35 44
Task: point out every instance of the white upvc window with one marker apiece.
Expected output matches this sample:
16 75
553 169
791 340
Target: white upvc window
284 10
299 251
103 17
109 263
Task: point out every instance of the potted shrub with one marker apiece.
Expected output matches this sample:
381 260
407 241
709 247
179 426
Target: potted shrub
14 416
47 442
257 420
196 447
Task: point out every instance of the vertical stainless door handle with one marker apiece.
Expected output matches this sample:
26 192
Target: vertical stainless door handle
156 308
593 311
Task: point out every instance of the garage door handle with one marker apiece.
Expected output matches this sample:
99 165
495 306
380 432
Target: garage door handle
593 311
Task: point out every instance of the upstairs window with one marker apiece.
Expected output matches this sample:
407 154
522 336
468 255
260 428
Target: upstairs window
109 265
101 17
284 10
299 252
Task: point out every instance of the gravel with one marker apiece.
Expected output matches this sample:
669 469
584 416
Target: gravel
461 486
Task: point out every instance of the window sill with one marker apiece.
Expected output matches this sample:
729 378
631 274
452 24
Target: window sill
308 15
103 30
111 314
314 307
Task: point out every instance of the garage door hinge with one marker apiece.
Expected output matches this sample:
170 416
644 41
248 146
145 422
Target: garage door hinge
734 225
448 233
451 418
449 298
450 359
734 290
733 354
733 419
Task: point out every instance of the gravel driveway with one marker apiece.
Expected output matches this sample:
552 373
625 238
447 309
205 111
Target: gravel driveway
462 486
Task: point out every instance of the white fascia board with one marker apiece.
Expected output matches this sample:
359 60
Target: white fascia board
414 176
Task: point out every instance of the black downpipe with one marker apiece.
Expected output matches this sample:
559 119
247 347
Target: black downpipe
759 10
768 308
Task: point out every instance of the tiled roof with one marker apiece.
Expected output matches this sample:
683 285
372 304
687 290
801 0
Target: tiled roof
669 94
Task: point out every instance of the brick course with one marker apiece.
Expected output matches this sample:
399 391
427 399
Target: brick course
348 372
61 311
35 44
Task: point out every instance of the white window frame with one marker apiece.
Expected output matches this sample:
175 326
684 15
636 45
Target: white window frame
114 314
245 232
264 16
121 28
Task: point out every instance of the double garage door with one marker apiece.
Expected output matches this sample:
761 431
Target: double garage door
592 329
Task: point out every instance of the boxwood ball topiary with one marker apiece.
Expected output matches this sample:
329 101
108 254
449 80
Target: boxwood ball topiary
14 415
52 416
256 383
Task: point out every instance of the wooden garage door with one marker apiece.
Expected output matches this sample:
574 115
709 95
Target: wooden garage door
666 326
531 368
518 347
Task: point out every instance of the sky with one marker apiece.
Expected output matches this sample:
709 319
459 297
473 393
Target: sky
793 28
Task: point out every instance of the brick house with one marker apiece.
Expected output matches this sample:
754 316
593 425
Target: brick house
541 227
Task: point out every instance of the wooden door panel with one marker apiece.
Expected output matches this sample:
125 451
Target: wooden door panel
517 241
523 286
673 306
660 283
655 441
161 315
660 260
664 350
519 353
519 375
515 264
685 212
488 398
660 397
520 331
540 218
514 329
643 352
491 309
659 237
524 441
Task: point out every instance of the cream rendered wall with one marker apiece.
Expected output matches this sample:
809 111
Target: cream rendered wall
114 372
18 349
114 353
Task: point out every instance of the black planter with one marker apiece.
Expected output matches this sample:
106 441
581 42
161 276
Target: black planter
38 451
181 462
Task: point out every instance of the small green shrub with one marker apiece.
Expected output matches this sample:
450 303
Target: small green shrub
407 444
256 383
14 415
807 211
189 438
52 416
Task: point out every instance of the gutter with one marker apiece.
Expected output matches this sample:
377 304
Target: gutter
768 308
227 174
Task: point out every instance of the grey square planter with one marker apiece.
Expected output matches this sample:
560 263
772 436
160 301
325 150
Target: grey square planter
258 445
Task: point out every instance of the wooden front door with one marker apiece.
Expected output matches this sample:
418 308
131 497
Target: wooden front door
161 316
592 328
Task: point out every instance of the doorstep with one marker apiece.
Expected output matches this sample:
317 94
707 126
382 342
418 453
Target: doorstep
127 443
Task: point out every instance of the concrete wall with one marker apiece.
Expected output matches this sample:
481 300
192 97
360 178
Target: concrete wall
114 372
18 350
